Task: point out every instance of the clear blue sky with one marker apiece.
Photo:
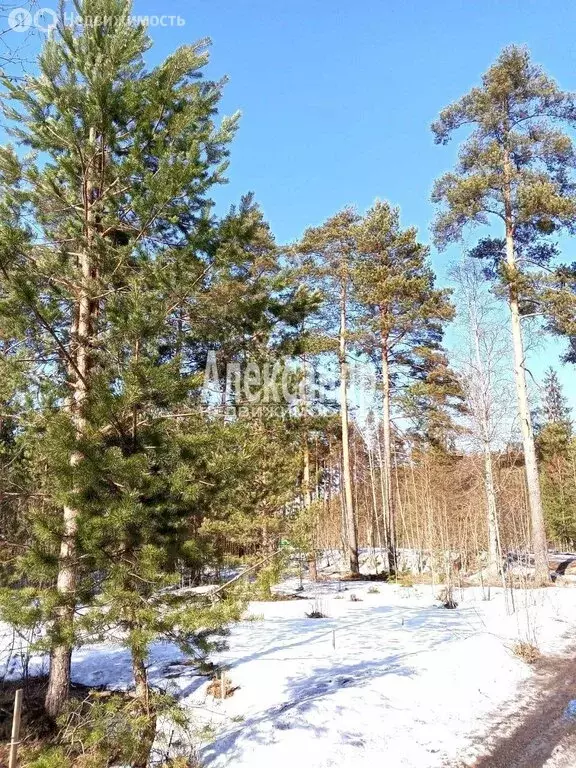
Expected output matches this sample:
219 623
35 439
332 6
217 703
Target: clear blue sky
337 96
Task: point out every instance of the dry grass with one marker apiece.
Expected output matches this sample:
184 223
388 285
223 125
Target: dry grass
526 651
219 690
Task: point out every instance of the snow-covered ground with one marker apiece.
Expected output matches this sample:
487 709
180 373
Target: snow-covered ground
389 678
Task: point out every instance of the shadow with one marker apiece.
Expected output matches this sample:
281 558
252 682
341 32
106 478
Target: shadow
417 631
544 720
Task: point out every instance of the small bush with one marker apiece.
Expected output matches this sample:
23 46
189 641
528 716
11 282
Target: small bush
50 757
355 599
317 610
107 729
405 579
216 689
373 591
267 578
526 651
446 597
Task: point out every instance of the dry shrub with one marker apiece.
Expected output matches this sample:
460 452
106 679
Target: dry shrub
317 610
446 597
526 651
405 579
217 688
314 614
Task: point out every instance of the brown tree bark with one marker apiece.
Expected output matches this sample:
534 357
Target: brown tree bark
79 372
146 709
348 506
539 543
389 515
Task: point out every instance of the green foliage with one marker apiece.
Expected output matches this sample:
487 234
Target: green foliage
116 280
559 498
559 305
516 166
403 316
49 757
405 579
396 315
555 405
268 576
303 528
557 451
109 729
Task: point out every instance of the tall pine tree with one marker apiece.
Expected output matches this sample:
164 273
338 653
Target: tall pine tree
330 251
516 167
97 220
403 315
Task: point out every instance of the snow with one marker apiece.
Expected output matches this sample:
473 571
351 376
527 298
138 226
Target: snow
390 677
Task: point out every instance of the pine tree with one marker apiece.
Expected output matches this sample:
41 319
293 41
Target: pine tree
96 224
553 421
516 167
557 452
330 250
555 404
558 304
402 316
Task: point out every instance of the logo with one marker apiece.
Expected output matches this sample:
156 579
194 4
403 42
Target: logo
46 19
21 20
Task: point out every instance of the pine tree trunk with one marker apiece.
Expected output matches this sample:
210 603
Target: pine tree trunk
374 502
61 654
306 476
539 544
78 371
350 524
142 696
63 625
387 464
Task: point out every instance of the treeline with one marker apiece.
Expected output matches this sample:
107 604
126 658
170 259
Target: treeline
124 461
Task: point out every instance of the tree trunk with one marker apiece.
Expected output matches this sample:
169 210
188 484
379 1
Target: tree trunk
387 464
374 502
494 554
485 409
63 625
350 523
312 570
78 371
539 544
142 696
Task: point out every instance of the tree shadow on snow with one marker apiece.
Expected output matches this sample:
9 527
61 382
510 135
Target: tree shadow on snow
422 629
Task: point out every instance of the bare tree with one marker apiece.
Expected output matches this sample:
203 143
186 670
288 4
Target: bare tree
488 387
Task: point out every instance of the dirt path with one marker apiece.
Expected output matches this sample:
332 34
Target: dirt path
543 735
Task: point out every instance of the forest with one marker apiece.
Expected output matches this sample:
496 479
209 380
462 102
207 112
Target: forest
187 401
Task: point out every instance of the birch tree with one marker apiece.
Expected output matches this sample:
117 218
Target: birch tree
486 386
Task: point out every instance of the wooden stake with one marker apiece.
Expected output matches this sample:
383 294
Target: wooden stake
223 685
334 639
12 761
